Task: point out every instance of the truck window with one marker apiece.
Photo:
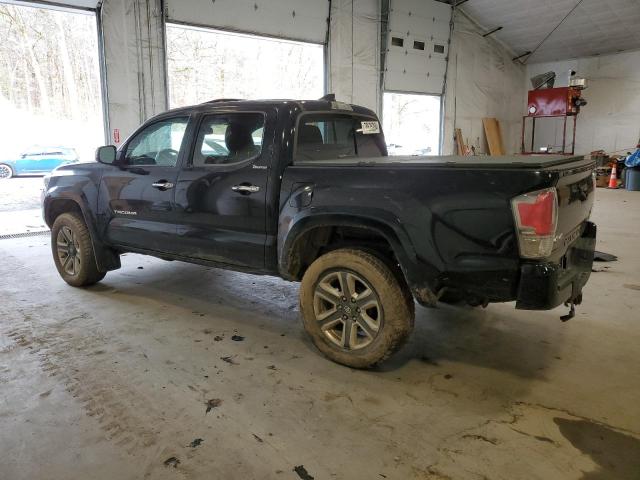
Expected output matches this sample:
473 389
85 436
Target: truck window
330 136
229 138
158 144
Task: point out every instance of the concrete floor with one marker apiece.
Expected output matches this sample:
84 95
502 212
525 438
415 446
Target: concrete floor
113 381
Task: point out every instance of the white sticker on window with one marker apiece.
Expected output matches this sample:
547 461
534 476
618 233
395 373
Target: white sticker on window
369 128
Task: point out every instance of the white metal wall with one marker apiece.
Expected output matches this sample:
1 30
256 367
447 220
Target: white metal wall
482 81
304 20
417 46
134 63
354 52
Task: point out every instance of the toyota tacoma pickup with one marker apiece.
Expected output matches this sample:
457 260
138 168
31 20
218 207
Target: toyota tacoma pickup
305 190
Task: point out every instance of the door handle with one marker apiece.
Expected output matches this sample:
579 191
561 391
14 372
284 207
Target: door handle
162 185
245 189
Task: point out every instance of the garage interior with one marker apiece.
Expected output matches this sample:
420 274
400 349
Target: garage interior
172 370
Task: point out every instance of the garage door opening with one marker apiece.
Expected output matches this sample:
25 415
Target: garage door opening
205 64
50 99
411 123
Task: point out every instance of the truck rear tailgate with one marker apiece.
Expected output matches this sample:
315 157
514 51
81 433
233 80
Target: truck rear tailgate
576 193
549 282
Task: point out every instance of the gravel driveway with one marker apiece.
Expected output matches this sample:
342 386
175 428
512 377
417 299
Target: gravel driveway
20 193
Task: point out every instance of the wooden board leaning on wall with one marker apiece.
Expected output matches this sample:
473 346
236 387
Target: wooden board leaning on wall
494 136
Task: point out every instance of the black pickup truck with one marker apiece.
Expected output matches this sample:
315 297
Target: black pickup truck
305 190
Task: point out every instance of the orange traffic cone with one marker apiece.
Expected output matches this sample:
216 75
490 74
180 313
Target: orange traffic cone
613 180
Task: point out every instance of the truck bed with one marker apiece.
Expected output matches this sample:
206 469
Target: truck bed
454 212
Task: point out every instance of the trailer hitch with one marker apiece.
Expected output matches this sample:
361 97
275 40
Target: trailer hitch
572 312
572 307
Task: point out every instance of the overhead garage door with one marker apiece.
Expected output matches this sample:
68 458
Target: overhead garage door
203 64
417 46
304 20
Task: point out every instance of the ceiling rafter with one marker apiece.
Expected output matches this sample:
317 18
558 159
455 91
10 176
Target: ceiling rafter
591 27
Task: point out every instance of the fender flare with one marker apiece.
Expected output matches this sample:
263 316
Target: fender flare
300 224
106 258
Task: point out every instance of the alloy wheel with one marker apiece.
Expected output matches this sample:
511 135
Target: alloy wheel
68 250
347 309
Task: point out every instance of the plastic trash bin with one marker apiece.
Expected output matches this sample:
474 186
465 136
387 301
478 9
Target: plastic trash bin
632 178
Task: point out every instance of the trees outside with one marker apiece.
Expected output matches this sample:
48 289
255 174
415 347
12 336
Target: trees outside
411 123
50 91
208 64
49 80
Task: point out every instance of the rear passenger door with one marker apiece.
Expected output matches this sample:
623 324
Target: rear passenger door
221 192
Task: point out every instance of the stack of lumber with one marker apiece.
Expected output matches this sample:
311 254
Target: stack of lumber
463 148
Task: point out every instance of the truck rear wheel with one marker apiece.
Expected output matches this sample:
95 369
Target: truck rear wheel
357 312
73 251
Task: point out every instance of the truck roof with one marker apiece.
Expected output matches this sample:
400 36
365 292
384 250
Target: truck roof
321 105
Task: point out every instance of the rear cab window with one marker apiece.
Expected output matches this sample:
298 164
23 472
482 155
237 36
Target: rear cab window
330 136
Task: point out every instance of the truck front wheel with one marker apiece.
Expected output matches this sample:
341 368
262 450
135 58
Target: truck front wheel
354 307
73 251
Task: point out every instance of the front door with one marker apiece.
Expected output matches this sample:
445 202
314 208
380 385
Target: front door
139 190
221 194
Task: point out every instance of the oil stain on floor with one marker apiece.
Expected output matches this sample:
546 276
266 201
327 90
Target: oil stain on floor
617 454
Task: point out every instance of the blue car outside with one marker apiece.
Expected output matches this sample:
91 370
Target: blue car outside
37 161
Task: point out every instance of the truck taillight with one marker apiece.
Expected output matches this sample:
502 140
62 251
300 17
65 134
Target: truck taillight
536 216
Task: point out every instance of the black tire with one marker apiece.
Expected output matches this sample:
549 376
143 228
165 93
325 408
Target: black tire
70 234
5 171
380 308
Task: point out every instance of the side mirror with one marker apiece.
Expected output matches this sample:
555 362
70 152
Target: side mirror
106 154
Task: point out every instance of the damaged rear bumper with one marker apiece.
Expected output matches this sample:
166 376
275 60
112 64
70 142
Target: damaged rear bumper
545 285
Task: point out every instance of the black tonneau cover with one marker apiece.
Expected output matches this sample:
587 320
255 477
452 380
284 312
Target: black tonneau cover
453 161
